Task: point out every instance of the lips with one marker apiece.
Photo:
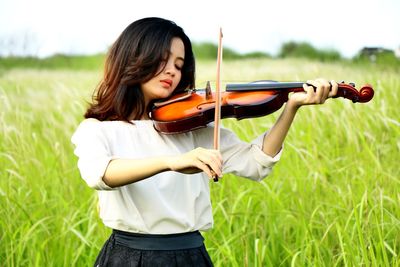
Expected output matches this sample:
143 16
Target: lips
166 82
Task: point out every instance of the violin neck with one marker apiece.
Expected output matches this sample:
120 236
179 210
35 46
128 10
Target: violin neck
348 91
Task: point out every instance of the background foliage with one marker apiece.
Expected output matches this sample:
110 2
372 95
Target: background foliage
208 51
332 200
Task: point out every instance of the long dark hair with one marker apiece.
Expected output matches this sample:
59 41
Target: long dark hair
135 58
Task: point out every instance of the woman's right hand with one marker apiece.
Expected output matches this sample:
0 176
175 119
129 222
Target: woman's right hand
198 160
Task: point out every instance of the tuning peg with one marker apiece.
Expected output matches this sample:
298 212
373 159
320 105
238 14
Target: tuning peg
342 81
352 84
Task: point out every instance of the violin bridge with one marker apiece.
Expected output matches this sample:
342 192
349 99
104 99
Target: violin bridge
208 90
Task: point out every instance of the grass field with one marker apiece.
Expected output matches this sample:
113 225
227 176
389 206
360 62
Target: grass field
332 200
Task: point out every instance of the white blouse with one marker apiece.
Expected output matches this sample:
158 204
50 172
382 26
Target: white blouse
169 202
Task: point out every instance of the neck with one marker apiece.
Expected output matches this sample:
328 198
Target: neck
145 117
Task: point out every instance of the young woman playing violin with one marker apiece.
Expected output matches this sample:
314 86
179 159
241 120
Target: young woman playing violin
153 188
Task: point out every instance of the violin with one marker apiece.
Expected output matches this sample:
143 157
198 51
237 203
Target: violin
195 109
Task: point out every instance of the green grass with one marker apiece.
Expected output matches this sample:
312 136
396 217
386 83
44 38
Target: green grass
332 200
59 62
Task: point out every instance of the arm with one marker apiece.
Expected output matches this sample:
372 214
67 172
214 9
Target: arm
273 140
121 172
102 171
125 171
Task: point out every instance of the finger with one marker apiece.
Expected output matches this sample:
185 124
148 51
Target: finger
213 162
309 89
212 158
312 83
334 88
216 154
215 177
205 168
326 89
320 91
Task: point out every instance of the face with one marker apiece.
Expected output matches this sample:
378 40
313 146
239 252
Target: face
163 84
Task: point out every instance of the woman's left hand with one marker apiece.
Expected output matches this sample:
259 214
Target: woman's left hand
316 92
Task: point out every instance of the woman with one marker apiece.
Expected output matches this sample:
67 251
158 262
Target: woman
154 189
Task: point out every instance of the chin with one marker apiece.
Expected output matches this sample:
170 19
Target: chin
163 96
167 94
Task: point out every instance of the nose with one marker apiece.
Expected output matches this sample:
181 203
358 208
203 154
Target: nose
170 68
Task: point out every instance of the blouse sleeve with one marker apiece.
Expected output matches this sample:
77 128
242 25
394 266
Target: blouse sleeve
246 159
242 158
93 153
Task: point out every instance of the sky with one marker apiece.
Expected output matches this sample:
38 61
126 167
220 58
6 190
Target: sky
46 27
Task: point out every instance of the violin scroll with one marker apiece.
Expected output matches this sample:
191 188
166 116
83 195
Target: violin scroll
365 94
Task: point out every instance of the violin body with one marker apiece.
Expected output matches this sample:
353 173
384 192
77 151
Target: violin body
193 110
196 112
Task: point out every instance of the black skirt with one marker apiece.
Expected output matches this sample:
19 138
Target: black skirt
139 250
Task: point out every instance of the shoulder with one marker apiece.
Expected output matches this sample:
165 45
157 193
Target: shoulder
108 129
86 129
89 125
92 123
89 122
